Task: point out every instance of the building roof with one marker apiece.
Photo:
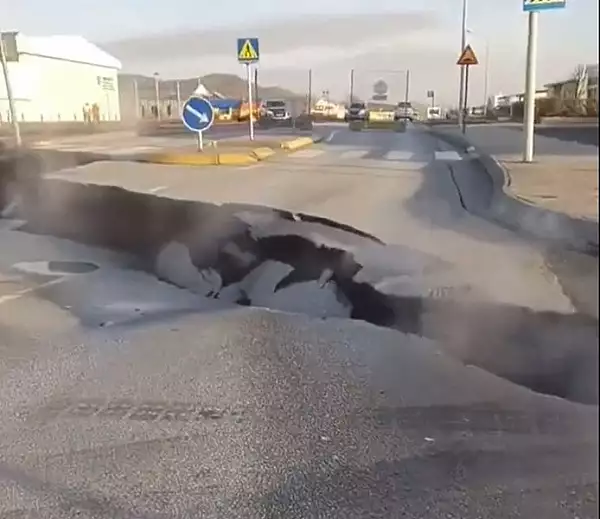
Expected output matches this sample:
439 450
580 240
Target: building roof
68 47
592 71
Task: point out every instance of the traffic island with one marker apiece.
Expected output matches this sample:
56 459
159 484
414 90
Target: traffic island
554 199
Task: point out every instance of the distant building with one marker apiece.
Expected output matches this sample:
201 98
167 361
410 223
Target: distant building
507 100
57 78
567 89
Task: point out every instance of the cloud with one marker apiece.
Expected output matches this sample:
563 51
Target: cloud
377 46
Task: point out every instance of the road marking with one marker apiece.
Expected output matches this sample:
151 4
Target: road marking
157 189
20 293
399 155
307 154
353 154
331 135
447 155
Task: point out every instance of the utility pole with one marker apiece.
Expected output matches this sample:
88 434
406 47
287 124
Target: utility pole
351 86
136 99
486 79
407 87
463 44
530 81
309 110
157 95
11 102
178 90
256 85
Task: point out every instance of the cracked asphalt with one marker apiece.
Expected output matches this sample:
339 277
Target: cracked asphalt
125 397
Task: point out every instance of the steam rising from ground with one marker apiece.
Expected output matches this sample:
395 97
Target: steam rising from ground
264 257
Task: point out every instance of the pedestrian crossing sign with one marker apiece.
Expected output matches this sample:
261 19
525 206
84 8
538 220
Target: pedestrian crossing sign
248 50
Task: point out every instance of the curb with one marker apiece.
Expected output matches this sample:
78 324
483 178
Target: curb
217 159
518 214
298 143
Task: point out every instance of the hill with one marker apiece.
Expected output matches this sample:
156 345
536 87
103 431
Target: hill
228 85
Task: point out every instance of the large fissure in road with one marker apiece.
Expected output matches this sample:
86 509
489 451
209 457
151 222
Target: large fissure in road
259 256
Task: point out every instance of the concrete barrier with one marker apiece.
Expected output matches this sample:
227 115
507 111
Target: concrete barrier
517 214
209 159
298 143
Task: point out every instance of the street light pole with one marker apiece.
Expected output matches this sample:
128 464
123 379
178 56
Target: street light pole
530 81
157 95
486 79
11 102
463 44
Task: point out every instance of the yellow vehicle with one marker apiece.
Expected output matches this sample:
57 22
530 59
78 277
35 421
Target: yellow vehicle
379 116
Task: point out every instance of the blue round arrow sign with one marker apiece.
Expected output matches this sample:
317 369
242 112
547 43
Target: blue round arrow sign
198 114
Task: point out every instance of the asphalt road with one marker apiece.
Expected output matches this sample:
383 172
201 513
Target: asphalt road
506 139
123 396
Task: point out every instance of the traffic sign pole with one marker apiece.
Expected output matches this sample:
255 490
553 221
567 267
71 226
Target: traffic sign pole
530 80
250 101
11 102
532 8
465 100
198 116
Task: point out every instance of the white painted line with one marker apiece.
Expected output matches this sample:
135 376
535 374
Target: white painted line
201 117
447 155
399 155
353 154
331 135
20 293
307 154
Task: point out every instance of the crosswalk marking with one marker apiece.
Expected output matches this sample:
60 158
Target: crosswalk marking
353 154
399 155
447 155
309 153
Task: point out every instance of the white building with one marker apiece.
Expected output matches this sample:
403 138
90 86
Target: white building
55 78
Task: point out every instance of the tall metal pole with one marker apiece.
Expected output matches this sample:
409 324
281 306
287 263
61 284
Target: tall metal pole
256 84
407 87
11 102
463 44
351 86
530 81
250 101
486 79
466 100
136 99
178 89
157 95
309 110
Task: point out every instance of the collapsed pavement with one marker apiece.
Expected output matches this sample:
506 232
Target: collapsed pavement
258 256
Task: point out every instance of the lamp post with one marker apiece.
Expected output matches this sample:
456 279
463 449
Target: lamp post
486 78
463 44
157 94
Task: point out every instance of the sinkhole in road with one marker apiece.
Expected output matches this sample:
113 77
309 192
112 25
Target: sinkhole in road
270 258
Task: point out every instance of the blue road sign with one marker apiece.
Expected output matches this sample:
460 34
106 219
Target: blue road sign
198 114
543 5
248 50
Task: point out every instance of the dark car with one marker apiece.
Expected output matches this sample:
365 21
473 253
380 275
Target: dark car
357 112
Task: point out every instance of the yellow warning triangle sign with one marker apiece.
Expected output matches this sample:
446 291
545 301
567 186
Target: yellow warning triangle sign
248 52
468 57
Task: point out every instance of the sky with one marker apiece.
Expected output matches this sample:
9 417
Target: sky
378 40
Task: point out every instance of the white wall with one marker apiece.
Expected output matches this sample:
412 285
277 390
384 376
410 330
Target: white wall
51 89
